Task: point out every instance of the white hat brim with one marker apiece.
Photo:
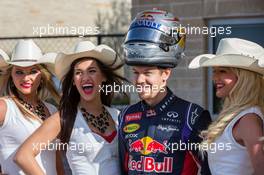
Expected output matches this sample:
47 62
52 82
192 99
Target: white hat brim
197 61
23 64
63 61
227 60
4 58
47 59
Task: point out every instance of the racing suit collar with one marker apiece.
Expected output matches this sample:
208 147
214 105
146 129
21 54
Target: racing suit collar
161 106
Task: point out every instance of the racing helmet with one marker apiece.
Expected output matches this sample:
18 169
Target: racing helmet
154 38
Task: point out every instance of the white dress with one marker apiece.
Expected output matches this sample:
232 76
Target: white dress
233 158
89 153
14 131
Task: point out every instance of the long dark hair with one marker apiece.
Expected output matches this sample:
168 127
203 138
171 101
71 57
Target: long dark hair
71 97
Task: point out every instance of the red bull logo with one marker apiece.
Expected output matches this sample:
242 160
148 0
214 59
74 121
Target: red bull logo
151 112
136 146
147 145
148 164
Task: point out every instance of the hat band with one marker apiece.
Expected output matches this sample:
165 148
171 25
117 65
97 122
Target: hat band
23 60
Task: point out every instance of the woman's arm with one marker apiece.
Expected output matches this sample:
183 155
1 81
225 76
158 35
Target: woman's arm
46 133
249 131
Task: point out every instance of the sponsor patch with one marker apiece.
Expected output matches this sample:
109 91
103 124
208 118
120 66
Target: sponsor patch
149 164
133 117
194 116
131 128
168 128
171 120
147 145
151 113
172 114
128 136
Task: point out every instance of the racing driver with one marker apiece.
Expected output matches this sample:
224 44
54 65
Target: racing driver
158 134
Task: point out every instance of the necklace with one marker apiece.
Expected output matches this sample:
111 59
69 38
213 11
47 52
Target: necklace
101 122
38 110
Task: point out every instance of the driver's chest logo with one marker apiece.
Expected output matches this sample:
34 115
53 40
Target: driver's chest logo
147 145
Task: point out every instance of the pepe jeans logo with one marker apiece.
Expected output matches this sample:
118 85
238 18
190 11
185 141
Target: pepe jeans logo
168 128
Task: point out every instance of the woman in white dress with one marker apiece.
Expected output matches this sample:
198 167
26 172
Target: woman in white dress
23 110
234 137
3 72
3 78
85 121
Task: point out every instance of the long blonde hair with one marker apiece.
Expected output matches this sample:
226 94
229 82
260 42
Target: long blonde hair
4 75
247 92
45 90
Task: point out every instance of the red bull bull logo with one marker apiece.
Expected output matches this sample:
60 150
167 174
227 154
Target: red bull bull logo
151 113
148 164
136 146
147 145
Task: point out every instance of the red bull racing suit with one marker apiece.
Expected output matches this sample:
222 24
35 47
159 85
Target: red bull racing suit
162 139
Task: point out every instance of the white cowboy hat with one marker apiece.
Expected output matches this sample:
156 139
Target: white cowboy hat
233 52
49 59
3 70
3 59
102 53
27 53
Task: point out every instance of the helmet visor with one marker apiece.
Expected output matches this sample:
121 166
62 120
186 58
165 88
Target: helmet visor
144 34
147 52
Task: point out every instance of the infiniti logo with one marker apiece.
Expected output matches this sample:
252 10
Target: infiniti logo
172 114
